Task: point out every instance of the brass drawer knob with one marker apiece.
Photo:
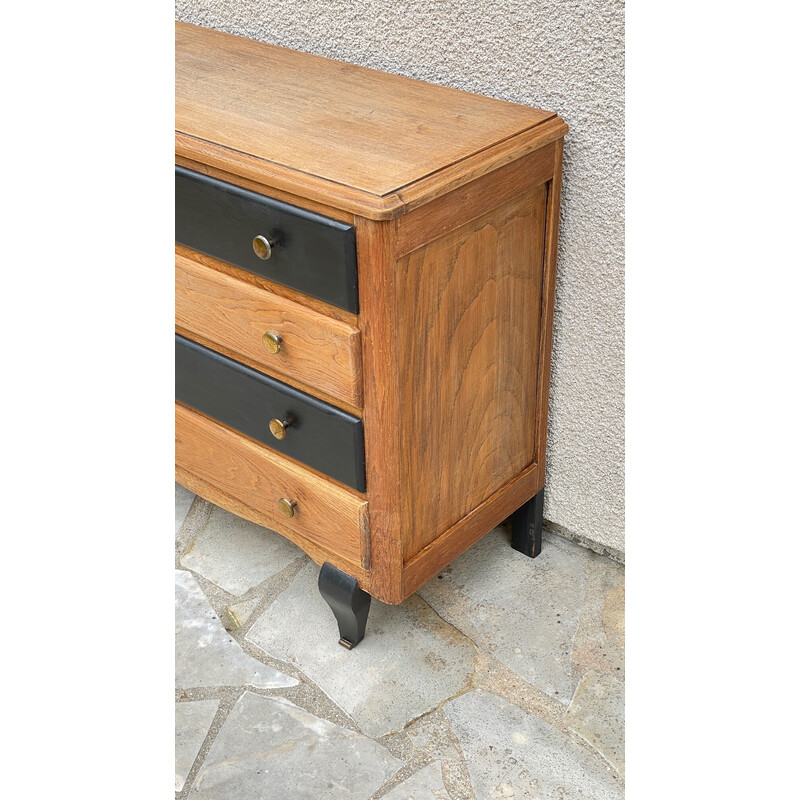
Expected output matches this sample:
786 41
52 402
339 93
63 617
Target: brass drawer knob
272 342
278 427
287 507
263 247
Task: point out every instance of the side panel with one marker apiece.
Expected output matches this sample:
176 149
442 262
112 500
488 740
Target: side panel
469 313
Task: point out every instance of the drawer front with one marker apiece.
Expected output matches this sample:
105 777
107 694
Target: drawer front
311 253
326 514
312 349
318 434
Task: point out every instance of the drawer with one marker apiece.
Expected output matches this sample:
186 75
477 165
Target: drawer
315 350
318 434
326 514
309 252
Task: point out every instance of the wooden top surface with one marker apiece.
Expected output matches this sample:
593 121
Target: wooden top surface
367 141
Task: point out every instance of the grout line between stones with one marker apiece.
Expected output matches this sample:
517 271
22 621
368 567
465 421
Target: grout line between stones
227 700
488 675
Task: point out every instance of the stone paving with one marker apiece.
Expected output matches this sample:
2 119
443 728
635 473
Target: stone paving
503 677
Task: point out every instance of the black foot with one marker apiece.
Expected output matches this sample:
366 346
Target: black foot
526 526
350 605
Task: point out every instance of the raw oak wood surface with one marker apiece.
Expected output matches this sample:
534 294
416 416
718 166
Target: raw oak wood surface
315 352
320 306
366 135
318 553
382 432
327 514
462 205
468 339
489 514
476 166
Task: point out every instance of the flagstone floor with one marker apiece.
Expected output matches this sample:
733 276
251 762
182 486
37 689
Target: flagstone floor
503 677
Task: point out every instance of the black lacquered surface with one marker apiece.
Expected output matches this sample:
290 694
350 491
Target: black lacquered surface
320 435
313 254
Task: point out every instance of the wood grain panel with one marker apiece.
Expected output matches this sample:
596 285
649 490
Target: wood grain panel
377 289
316 351
451 544
468 351
462 205
285 178
270 286
318 553
326 514
456 175
349 125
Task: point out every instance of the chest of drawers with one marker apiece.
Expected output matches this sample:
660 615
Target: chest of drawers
364 283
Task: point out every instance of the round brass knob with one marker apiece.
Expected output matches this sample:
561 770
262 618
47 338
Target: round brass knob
278 427
263 247
287 507
272 342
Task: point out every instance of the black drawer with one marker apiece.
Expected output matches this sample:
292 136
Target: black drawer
320 435
311 253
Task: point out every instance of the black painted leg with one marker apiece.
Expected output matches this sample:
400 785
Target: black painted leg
526 526
350 605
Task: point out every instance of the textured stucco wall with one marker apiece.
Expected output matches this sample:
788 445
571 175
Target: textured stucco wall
565 56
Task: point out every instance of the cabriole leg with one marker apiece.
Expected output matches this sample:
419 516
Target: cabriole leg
350 605
526 526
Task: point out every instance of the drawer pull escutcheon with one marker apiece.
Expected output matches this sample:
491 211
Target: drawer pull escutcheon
263 247
272 342
278 427
287 507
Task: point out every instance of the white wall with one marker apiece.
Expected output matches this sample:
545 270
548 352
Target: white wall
565 56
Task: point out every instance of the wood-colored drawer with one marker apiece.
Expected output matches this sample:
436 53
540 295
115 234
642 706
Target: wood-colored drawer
315 351
309 252
285 419
324 513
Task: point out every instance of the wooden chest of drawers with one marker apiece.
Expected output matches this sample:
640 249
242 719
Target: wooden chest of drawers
365 274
